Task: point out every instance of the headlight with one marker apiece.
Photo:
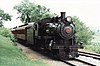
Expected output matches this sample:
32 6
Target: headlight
69 18
68 30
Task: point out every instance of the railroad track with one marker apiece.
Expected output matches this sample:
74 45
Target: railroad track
80 62
77 62
74 62
92 55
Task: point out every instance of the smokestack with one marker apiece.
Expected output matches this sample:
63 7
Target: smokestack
62 16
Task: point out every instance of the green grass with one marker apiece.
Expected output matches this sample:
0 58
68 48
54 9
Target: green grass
96 39
95 46
12 56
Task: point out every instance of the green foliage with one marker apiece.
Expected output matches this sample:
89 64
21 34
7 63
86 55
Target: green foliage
6 33
30 12
4 17
93 47
12 56
83 33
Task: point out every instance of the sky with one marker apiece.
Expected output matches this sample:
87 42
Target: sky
88 11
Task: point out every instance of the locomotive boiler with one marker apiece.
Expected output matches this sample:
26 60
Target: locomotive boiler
56 35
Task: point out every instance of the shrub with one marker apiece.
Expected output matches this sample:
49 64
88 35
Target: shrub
6 33
93 47
83 33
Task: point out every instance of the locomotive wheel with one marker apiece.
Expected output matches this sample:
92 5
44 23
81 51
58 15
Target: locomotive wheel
27 45
63 55
59 54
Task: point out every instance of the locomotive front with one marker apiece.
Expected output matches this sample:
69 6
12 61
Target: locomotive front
58 36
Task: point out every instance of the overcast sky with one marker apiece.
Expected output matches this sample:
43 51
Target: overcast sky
87 10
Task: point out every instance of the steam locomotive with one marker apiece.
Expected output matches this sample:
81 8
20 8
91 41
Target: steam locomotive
56 35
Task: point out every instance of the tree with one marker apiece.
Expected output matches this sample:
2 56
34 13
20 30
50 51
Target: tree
83 33
4 17
30 12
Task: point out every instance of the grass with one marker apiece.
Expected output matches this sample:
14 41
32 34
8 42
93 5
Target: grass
96 39
95 46
12 56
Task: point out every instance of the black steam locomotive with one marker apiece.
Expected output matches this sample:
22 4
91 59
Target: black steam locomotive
56 35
